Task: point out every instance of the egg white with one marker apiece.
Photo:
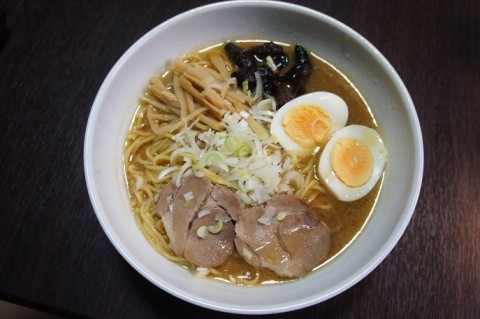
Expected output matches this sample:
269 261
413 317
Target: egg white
375 144
333 105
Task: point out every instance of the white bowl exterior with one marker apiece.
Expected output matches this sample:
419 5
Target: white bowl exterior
117 99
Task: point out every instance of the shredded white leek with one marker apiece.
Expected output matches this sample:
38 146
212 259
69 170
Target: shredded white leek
201 273
294 177
203 212
271 64
258 87
223 218
232 83
250 163
247 254
166 171
266 218
188 196
138 181
183 169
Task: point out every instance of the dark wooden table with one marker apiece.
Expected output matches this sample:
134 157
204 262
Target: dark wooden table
54 255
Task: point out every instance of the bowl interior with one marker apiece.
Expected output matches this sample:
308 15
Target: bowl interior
117 99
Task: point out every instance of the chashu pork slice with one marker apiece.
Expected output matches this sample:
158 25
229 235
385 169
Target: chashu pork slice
226 199
194 204
210 249
178 207
284 236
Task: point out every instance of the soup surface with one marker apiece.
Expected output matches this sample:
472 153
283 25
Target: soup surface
147 160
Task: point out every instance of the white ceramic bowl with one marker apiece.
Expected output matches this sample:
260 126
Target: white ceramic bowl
376 79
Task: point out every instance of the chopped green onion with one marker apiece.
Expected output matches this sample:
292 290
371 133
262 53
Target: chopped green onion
281 216
216 228
231 143
213 158
234 145
243 150
245 86
202 231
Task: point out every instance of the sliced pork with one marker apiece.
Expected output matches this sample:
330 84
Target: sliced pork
284 236
178 208
260 246
207 249
198 204
205 223
226 199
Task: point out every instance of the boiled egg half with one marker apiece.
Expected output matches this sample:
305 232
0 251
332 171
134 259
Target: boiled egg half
352 162
308 121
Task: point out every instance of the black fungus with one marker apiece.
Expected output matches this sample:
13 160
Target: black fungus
283 86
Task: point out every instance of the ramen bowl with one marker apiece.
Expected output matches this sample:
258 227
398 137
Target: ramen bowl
349 52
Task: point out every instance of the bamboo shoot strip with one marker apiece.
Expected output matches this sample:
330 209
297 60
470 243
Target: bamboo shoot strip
187 86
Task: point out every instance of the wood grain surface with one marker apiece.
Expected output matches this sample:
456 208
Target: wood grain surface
54 255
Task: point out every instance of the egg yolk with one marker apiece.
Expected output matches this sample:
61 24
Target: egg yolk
352 161
308 125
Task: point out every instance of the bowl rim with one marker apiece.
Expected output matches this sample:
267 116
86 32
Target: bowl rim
344 284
